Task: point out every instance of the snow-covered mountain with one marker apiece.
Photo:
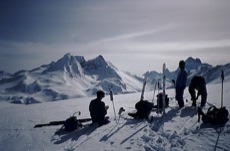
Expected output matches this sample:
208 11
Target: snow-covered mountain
4 75
68 77
74 77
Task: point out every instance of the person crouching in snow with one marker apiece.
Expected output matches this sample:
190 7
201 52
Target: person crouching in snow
143 108
98 110
198 83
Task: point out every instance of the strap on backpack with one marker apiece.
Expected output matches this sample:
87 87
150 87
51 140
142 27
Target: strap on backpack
211 109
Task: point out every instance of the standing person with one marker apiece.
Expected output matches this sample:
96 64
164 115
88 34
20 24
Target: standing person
181 84
98 110
198 83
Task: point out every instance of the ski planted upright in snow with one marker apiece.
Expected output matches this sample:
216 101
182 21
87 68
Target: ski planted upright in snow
156 84
222 87
143 88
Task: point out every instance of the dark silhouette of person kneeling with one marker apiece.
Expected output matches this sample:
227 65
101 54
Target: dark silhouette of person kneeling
143 108
98 110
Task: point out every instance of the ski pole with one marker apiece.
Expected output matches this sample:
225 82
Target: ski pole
164 68
222 87
158 85
111 98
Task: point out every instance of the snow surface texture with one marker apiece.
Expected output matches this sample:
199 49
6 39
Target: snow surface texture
177 130
74 77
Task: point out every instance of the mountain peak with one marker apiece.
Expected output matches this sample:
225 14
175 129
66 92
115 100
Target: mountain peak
192 63
193 60
68 63
98 62
100 58
68 55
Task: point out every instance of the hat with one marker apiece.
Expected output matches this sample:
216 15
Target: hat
182 64
100 93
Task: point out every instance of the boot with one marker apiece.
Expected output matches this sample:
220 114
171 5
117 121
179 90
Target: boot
193 103
202 104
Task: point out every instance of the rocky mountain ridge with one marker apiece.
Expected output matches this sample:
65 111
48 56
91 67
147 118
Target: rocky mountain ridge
74 77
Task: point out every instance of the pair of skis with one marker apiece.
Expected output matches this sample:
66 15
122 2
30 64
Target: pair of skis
157 84
163 88
79 122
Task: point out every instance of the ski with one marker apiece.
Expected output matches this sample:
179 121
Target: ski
222 86
154 91
143 88
53 123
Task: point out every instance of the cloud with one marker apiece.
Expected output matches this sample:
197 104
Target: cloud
42 32
137 34
126 44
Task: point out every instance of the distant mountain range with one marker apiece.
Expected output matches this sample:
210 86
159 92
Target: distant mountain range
74 77
193 67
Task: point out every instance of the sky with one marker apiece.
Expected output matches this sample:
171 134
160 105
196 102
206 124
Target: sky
136 36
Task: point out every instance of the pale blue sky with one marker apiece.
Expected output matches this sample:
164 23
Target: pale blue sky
134 35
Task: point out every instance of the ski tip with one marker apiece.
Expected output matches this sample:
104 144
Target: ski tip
36 126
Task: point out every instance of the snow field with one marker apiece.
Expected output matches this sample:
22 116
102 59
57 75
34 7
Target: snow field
177 130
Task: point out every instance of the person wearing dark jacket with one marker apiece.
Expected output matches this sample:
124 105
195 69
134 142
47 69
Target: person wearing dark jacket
198 83
181 84
98 110
143 108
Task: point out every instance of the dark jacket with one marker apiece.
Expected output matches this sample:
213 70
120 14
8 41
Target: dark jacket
181 80
97 111
144 108
197 83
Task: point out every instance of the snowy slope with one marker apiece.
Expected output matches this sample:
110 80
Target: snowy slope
176 131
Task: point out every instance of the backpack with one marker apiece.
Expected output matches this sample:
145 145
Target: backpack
222 115
216 115
144 108
160 100
71 124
